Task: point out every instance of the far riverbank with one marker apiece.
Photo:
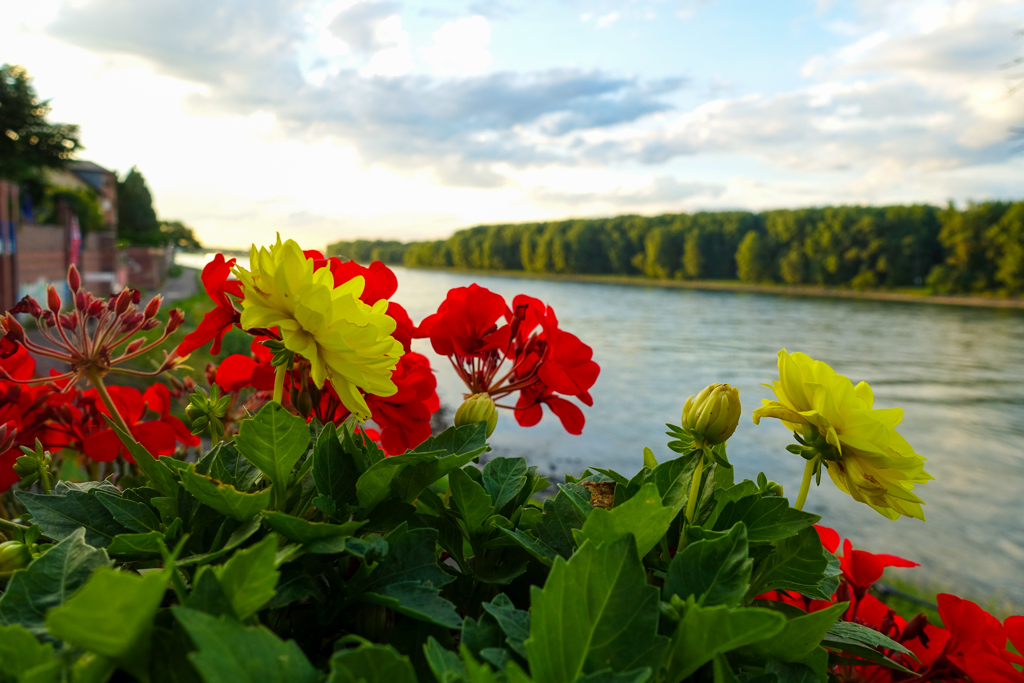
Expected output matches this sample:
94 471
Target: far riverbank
920 297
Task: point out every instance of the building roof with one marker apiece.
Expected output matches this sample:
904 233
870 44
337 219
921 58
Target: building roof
81 166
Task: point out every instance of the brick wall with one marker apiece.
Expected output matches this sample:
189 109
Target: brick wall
147 266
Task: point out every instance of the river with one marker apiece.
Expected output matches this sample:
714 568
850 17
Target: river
958 372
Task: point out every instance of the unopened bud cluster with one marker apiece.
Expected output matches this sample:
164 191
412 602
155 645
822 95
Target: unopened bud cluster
208 412
477 408
90 335
711 416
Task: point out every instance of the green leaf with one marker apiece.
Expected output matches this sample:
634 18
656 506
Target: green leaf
134 545
273 441
797 639
852 631
790 672
514 623
231 467
112 616
539 549
48 582
704 632
20 651
798 563
371 664
767 519
334 469
162 477
446 666
723 673
555 528
61 516
503 479
595 612
468 440
131 514
375 485
471 500
416 599
237 538
225 498
249 577
304 531
231 653
208 595
643 516
672 478
608 676
716 572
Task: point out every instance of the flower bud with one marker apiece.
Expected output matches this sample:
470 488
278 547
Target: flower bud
81 301
123 301
15 332
153 306
174 320
29 305
477 408
69 321
52 299
711 417
74 279
95 308
14 555
135 345
7 437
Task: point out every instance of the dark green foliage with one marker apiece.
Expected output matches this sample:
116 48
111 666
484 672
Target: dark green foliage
302 555
28 141
136 218
977 249
365 251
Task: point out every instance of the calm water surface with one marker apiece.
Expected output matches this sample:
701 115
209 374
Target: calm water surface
957 372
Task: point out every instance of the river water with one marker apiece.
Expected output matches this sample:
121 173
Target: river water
958 372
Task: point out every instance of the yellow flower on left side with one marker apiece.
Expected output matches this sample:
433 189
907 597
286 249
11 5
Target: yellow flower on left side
344 339
841 429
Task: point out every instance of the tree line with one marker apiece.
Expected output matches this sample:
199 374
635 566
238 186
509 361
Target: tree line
977 249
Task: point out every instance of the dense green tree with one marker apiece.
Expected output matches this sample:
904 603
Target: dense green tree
28 141
180 235
751 262
136 218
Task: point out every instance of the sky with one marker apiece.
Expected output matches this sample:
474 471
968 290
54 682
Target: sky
327 120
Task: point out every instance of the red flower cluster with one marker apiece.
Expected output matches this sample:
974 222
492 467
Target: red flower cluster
501 351
61 415
971 647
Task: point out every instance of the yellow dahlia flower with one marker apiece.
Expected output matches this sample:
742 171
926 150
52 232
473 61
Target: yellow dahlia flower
839 427
344 339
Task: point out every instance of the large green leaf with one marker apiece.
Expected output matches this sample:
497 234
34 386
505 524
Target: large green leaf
228 652
376 484
371 664
304 531
446 666
231 467
134 546
539 549
131 514
503 479
20 652
334 469
466 440
798 563
112 616
239 536
704 632
643 516
225 498
798 638
514 623
767 519
416 599
60 516
48 582
471 500
273 440
715 571
560 518
249 577
595 612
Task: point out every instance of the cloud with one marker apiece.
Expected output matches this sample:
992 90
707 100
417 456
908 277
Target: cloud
363 26
460 48
661 191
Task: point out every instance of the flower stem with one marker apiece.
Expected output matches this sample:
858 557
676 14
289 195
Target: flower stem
97 382
279 376
805 485
691 503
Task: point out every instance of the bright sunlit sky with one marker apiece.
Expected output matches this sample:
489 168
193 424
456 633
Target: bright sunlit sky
406 119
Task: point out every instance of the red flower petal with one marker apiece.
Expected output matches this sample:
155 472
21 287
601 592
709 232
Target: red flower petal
569 413
235 372
829 537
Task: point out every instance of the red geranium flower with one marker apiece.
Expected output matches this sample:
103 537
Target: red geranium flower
862 569
237 371
466 323
158 436
217 322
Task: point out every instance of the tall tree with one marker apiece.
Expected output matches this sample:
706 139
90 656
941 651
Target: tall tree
28 142
136 218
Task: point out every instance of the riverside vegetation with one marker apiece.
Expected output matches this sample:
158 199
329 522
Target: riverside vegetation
329 535
975 250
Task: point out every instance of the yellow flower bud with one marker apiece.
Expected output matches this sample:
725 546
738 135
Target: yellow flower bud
711 416
14 555
477 408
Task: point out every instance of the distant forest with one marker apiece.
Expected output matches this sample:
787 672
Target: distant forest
979 249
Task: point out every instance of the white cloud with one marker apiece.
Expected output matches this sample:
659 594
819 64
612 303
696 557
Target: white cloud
607 19
460 48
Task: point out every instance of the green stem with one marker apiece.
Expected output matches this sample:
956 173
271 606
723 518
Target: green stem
691 503
97 382
805 485
282 370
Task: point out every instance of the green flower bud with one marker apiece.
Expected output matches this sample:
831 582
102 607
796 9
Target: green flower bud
477 408
14 555
711 416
